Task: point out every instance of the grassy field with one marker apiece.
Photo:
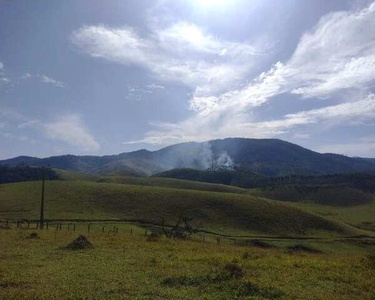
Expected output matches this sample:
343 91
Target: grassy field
124 267
275 249
224 213
361 216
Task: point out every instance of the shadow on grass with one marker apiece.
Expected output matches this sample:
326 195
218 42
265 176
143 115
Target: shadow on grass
226 280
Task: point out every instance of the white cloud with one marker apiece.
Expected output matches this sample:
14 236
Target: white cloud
44 79
182 52
69 128
337 55
154 86
1 66
28 124
205 127
72 130
49 80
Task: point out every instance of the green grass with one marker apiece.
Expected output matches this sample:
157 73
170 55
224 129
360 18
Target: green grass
326 195
220 212
124 267
361 216
173 183
151 181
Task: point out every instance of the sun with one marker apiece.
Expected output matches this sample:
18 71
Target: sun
212 3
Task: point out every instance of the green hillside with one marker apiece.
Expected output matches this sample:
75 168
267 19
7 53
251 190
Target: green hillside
326 195
219 212
361 216
174 183
152 181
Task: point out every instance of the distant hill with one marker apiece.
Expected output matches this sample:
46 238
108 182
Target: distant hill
270 157
335 189
236 177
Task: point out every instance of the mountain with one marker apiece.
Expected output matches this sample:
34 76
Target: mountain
270 157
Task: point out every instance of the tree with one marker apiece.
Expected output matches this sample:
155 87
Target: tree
182 229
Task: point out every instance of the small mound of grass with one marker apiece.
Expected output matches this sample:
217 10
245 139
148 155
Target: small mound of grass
303 248
246 256
33 235
80 243
234 270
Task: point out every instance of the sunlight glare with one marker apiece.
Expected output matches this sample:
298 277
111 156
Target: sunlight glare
212 3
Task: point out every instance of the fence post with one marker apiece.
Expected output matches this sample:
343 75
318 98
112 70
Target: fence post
145 232
131 231
60 226
103 229
74 227
47 225
88 228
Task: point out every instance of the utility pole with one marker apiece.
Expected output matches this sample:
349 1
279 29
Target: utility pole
42 201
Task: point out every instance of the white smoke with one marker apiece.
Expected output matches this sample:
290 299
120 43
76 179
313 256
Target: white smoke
205 156
224 160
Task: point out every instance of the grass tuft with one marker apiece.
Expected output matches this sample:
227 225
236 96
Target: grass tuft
80 243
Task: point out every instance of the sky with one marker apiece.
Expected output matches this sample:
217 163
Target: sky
105 77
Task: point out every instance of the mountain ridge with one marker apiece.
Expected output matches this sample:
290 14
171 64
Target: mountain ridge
270 157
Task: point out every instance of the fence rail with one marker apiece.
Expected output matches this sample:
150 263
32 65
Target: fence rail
128 228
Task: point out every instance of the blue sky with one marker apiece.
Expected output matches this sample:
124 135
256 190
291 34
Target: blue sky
104 77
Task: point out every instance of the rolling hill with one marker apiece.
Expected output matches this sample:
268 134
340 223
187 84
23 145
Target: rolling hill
219 212
270 157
